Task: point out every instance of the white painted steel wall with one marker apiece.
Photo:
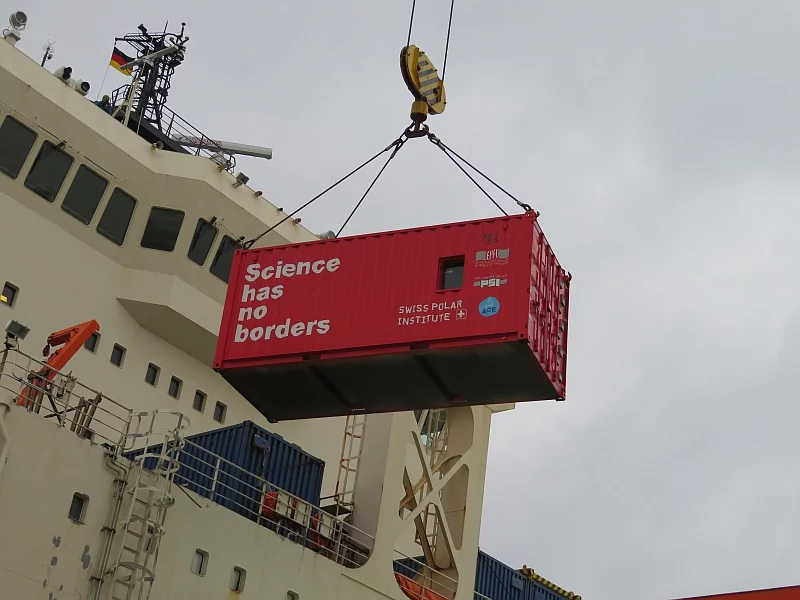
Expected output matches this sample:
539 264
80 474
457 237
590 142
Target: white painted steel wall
42 551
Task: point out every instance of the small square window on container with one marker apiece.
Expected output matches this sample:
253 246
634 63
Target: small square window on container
451 273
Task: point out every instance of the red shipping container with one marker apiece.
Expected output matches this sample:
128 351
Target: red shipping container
784 593
458 314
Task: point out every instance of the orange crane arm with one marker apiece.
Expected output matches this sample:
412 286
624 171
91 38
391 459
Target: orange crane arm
71 340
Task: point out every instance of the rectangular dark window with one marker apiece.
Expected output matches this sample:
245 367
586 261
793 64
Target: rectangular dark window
48 172
162 229
451 273
175 385
219 412
9 294
92 342
200 562
199 403
202 240
77 508
116 217
84 195
221 265
237 579
16 142
151 376
117 355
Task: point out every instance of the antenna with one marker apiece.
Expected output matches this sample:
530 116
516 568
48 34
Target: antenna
158 55
230 147
49 50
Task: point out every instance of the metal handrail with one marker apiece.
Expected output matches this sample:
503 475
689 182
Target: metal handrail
177 126
241 490
436 586
87 411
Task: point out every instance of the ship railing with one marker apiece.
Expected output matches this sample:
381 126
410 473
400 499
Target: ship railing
60 397
257 499
175 127
422 582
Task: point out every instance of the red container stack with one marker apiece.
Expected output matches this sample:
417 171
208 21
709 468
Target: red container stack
458 314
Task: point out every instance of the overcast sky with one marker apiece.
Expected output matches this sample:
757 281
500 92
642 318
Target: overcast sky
659 140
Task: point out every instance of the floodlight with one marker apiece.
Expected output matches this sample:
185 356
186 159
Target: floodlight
18 20
16 330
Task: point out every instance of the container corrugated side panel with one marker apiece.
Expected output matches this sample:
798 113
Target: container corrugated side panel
285 469
412 257
498 581
287 466
549 311
235 488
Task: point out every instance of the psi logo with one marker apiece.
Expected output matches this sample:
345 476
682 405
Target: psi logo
489 307
490 282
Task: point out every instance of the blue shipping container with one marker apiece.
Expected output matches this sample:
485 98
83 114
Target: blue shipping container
498 581
257 453
493 580
408 567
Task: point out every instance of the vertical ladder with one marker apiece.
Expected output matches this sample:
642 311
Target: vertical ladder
352 444
142 527
434 431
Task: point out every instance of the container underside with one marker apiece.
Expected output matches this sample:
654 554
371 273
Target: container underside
483 374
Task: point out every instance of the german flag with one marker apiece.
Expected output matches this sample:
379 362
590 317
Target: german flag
118 59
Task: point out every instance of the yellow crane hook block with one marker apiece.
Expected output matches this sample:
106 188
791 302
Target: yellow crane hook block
423 81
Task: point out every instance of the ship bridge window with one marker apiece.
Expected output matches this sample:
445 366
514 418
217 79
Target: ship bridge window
221 265
48 172
16 142
162 229
84 195
116 217
202 240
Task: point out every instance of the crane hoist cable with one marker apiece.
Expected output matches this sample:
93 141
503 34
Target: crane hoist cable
449 151
428 90
414 130
250 243
449 28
